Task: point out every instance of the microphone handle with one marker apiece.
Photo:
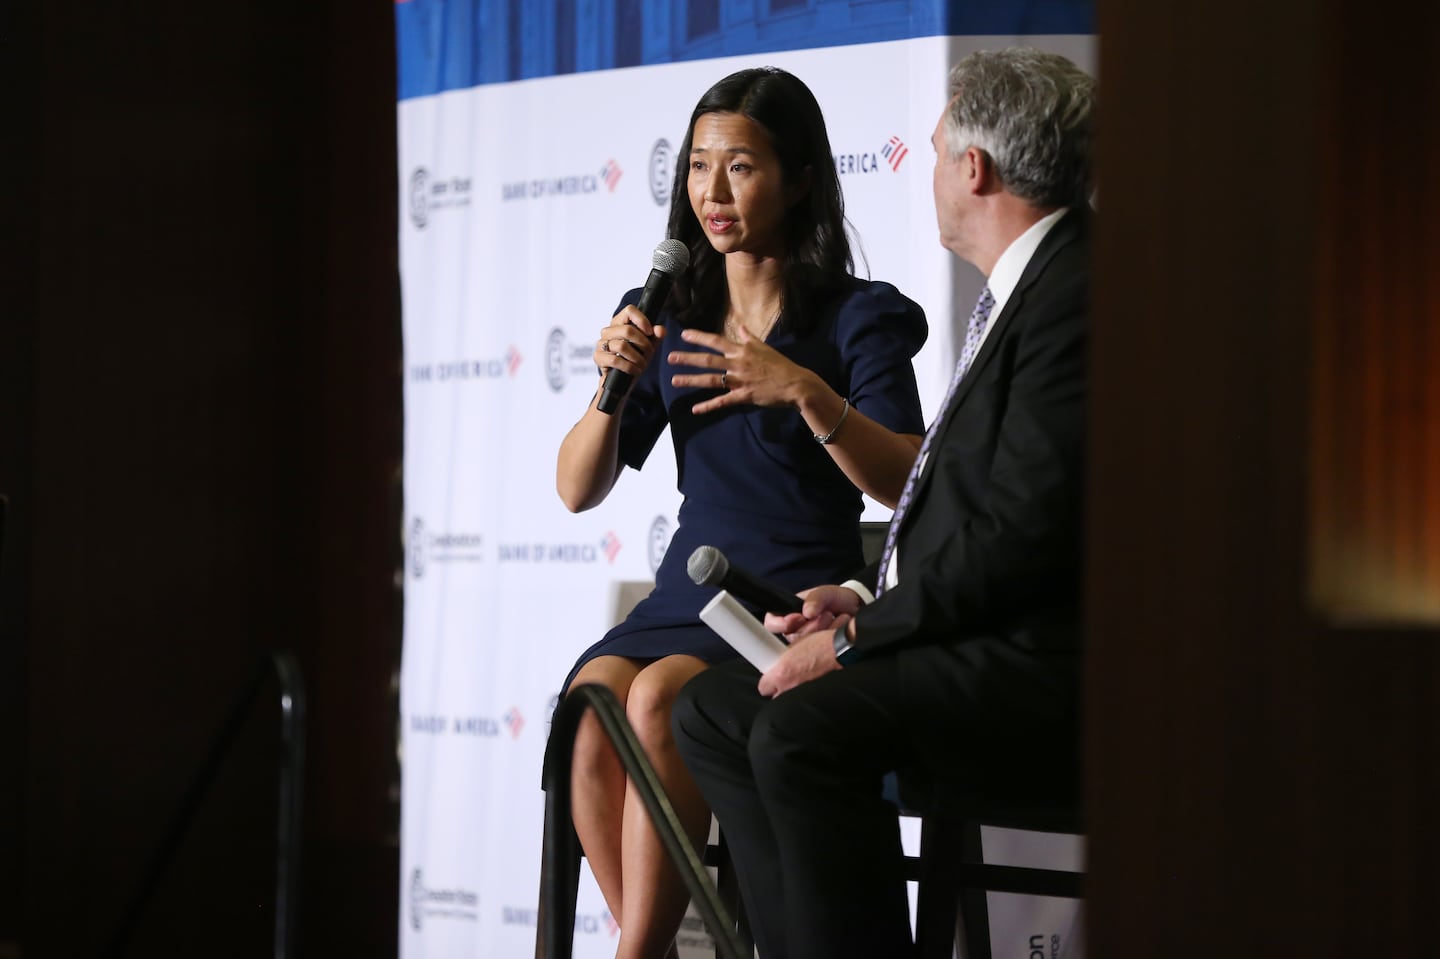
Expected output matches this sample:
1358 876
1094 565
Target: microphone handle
742 585
617 382
652 296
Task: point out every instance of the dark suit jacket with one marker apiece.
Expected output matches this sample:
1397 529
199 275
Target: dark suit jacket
990 547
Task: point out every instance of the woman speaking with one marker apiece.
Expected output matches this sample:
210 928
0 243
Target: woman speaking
788 388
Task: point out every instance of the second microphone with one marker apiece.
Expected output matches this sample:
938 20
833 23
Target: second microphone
708 566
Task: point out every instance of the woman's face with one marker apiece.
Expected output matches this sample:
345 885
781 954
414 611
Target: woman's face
736 186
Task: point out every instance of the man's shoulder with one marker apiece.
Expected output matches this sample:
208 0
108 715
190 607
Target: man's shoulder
1063 256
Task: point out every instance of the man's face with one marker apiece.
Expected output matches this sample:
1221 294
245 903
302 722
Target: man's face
950 193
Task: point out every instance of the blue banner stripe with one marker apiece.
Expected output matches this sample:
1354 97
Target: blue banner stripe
454 44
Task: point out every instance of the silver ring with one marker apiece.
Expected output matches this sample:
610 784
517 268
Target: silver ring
724 385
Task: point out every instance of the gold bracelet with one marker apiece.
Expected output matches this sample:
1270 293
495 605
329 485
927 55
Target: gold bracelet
824 439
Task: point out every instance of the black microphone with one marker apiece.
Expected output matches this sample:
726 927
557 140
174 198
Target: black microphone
709 567
671 258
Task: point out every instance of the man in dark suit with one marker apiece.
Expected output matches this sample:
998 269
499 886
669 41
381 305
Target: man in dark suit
964 658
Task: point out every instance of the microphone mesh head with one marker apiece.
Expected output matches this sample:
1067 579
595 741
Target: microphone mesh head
671 257
707 566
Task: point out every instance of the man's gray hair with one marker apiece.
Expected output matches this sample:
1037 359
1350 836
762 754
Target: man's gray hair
1031 112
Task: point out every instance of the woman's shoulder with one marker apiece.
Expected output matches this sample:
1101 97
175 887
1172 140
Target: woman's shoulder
877 295
866 304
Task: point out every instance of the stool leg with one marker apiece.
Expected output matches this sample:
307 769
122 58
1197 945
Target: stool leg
559 885
729 888
935 908
974 907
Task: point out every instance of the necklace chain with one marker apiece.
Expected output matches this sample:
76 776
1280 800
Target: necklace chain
732 327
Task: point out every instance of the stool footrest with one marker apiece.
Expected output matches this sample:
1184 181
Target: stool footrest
1019 879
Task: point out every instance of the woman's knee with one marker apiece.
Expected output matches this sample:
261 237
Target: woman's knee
649 705
615 673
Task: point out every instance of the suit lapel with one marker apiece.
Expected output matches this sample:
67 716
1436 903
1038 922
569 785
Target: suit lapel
1061 234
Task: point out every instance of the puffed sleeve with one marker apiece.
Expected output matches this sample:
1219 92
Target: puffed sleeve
644 416
879 330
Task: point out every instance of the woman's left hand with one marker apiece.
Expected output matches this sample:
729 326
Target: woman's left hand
749 371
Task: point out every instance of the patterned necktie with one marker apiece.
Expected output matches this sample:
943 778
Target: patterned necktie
973 334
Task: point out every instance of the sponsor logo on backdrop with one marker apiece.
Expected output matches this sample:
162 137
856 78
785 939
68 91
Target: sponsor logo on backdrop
610 543
540 552
607 175
428 904
662 171
889 156
564 359
658 542
419 197
475 727
693 935
589 924
1037 947
504 366
514 722
430 194
425 547
610 173
416 547
894 152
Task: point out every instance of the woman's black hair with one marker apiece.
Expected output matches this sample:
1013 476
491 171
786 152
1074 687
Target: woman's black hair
817 252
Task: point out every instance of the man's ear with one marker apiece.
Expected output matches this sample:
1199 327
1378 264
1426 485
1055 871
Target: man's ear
979 171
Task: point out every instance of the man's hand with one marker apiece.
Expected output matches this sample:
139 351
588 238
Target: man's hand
823 605
805 660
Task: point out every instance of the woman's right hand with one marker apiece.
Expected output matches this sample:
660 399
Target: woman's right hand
628 343
589 461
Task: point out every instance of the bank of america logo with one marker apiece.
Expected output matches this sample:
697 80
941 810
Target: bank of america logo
514 722
660 171
610 546
512 360
610 173
659 542
895 151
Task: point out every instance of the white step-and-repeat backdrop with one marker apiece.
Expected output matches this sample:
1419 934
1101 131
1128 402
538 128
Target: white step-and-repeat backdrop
537 144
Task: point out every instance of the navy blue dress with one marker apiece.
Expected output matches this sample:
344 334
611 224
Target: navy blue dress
755 483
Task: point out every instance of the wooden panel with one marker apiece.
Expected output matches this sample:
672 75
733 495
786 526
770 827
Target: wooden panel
213 431
1260 782
1375 485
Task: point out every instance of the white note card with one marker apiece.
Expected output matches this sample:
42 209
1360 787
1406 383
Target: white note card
744 632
